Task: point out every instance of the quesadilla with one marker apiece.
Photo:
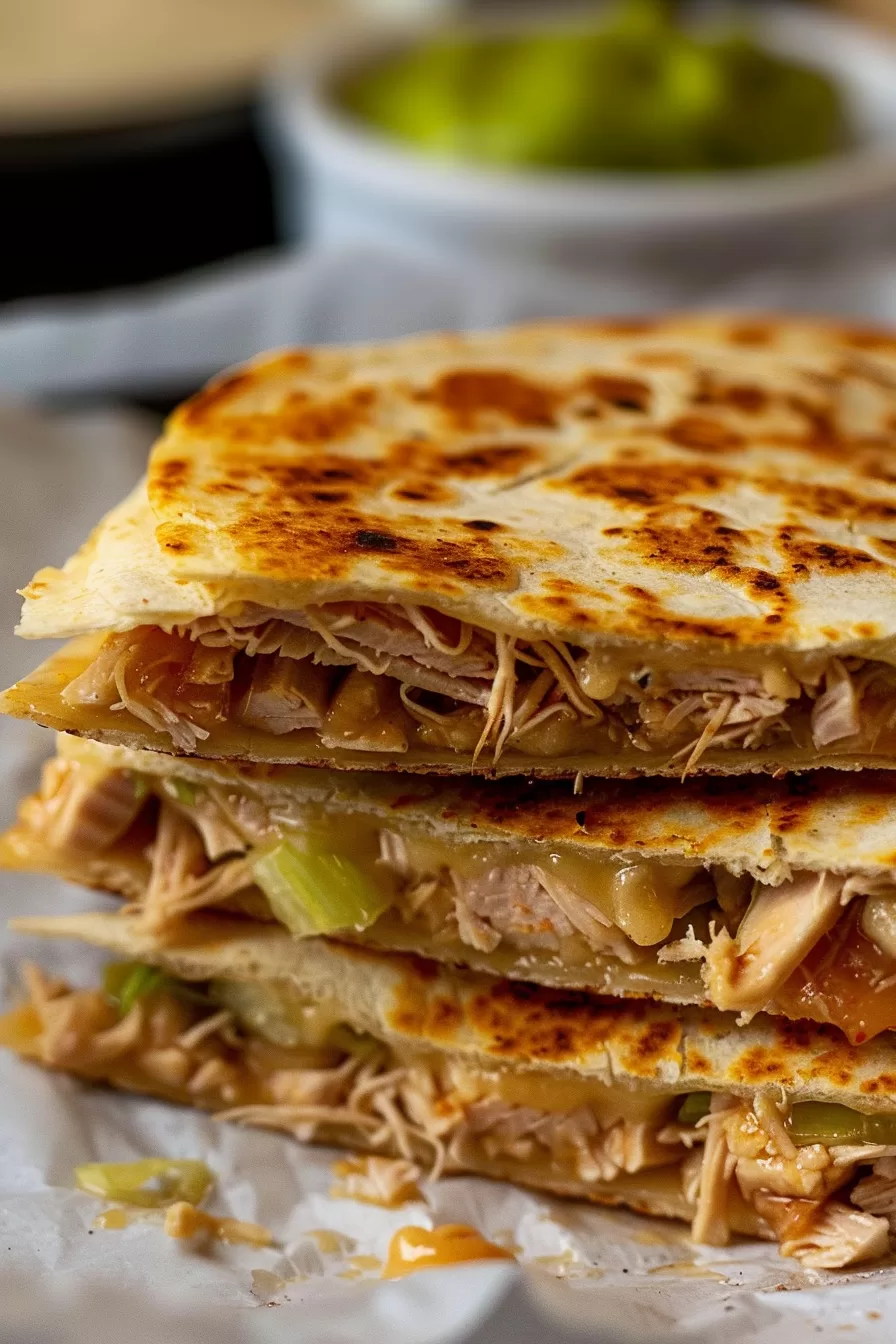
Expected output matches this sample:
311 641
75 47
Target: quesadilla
650 546
773 1130
750 894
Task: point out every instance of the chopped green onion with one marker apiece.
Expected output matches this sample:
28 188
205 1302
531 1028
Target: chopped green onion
150 1183
314 891
127 981
694 1107
141 786
184 791
830 1123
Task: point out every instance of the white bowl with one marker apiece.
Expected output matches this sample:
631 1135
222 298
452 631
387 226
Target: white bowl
343 184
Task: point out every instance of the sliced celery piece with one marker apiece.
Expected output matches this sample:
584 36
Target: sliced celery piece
694 1107
184 791
127 981
828 1122
141 786
150 1183
312 890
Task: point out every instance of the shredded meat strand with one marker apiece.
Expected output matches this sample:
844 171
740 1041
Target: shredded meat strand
181 683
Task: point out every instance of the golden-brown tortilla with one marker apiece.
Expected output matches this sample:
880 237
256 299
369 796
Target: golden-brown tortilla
489 1022
701 480
821 821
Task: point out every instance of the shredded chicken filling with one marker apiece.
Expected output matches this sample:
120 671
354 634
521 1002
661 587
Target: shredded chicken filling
383 677
827 1205
817 945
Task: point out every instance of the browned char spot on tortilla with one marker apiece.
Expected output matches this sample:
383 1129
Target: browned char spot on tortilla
825 501
807 554
516 1020
867 338
474 398
748 398
499 459
884 1084
624 393
619 814
524 1021
641 485
176 539
703 433
307 543
760 1065
803 800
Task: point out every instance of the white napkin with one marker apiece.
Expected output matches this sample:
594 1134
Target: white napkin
176 334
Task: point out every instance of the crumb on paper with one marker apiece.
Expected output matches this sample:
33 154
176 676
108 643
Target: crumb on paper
506 1239
112 1220
266 1285
116 1218
563 1265
386 1181
329 1242
688 1269
184 1220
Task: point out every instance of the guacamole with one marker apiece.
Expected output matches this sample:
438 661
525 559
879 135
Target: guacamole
634 93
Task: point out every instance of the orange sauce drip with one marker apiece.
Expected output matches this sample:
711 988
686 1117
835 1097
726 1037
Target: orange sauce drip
414 1248
839 982
21 1030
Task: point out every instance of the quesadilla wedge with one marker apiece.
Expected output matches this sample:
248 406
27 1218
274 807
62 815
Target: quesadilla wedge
774 1130
749 894
654 546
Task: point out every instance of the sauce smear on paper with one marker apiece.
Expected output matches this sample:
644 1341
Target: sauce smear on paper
414 1248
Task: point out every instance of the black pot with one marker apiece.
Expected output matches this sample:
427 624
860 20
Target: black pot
95 209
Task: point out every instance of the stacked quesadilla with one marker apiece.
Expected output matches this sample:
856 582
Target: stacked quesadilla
434 710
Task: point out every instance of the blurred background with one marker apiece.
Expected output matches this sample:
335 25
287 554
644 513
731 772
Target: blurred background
187 181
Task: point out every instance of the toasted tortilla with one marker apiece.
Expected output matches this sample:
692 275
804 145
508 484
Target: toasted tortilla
823 821
507 1024
602 457
703 486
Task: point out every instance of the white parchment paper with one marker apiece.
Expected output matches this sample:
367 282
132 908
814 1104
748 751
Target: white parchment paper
606 1275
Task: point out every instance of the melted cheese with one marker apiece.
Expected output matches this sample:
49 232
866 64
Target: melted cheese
643 899
548 1092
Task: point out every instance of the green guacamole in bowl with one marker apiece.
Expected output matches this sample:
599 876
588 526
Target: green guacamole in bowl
635 92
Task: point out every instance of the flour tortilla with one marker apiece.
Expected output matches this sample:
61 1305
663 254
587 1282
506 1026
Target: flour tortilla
508 1025
823 821
595 461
